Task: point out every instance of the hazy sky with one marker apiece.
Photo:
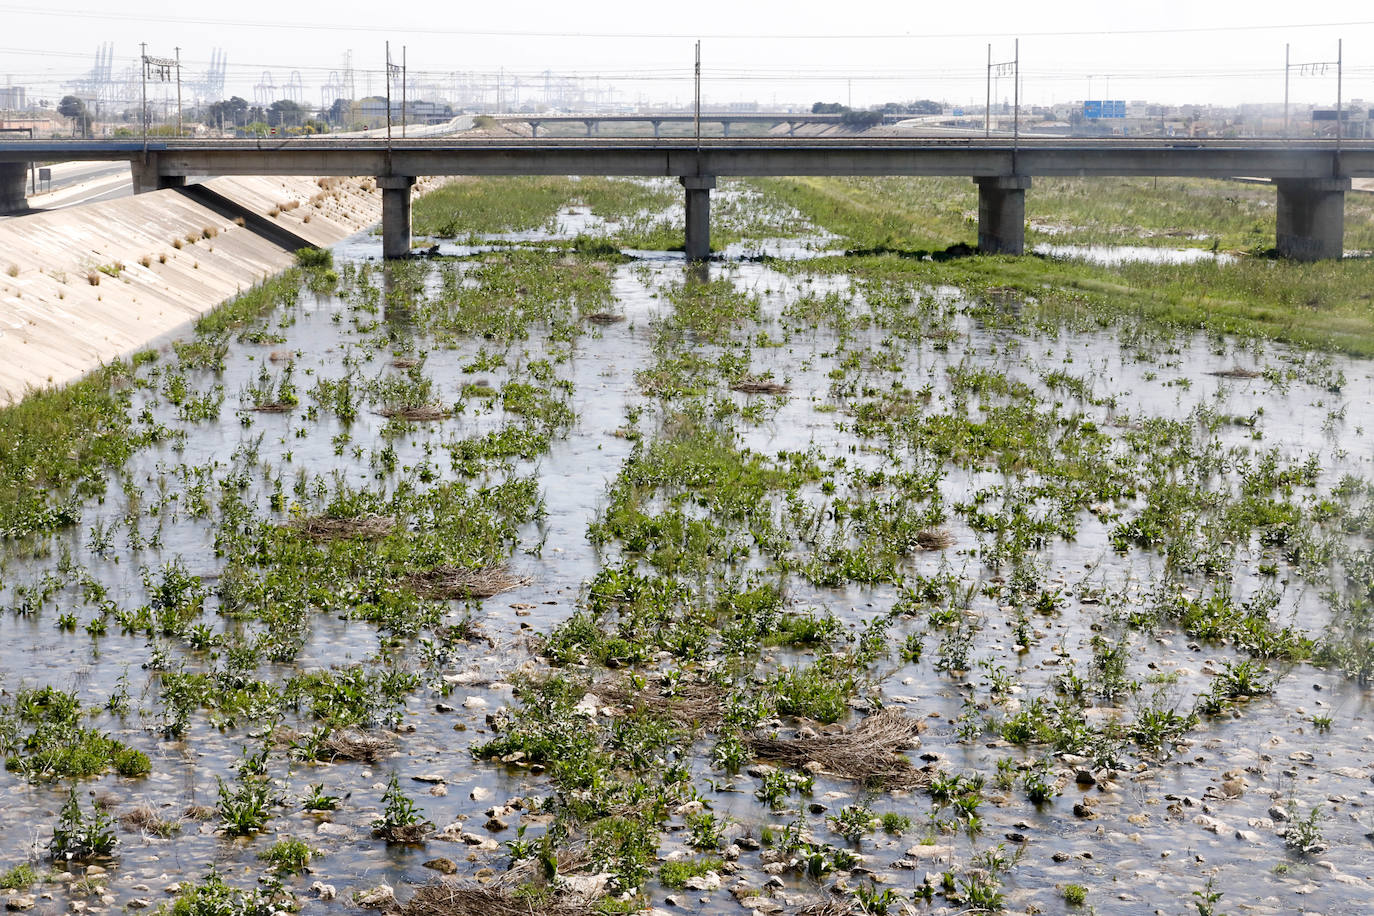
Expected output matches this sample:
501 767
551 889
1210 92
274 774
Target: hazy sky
797 52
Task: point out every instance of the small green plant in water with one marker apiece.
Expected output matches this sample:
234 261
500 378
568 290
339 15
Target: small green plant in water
287 857
244 810
401 820
1304 834
78 837
317 800
18 878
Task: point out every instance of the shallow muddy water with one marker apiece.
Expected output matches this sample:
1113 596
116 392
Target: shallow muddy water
1142 836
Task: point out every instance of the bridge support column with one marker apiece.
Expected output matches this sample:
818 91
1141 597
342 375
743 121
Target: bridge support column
725 128
395 214
14 179
658 127
1311 218
698 241
534 130
146 178
1002 214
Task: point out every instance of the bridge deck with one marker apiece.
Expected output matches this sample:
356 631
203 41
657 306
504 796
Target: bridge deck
741 157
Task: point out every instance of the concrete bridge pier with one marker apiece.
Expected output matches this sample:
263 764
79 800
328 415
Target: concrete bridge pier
534 129
1002 214
1311 218
698 240
395 214
14 178
145 177
658 127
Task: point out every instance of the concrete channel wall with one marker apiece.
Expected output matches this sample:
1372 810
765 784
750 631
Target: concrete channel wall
87 285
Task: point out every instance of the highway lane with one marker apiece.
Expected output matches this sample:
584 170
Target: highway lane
76 183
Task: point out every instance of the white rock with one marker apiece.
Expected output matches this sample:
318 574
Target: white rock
707 882
588 886
380 897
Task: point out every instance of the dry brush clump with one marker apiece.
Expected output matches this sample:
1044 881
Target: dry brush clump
871 752
690 705
934 539
447 582
324 528
145 819
759 386
455 899
828 908
422 414
355 746
508 894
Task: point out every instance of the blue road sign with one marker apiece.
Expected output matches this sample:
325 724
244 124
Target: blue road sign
1104 108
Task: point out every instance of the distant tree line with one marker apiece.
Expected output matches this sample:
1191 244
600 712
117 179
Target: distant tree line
868 117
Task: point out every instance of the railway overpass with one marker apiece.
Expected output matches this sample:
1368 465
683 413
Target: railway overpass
1311 177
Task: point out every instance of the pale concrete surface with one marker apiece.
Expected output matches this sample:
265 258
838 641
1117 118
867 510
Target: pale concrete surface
56 325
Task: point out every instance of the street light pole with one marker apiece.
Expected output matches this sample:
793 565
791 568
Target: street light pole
1286 50
1338 97
987 106
143 108
178 51
697 80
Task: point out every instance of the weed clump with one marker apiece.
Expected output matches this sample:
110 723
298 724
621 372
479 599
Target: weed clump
315 258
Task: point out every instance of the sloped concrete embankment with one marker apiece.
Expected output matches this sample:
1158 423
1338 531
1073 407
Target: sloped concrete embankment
84 286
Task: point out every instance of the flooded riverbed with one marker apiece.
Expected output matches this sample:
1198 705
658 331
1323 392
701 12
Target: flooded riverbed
1086 568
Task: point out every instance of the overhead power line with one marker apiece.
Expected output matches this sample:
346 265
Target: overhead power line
428 29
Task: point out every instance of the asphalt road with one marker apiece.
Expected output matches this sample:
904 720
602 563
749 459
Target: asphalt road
76 183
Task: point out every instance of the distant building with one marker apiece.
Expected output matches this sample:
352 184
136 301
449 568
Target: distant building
373 109
13 98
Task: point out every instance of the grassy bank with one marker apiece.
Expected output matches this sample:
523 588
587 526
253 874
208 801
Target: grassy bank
1328 305
933 213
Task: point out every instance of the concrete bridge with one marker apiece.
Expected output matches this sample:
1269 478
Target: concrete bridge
727 121
1311 177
